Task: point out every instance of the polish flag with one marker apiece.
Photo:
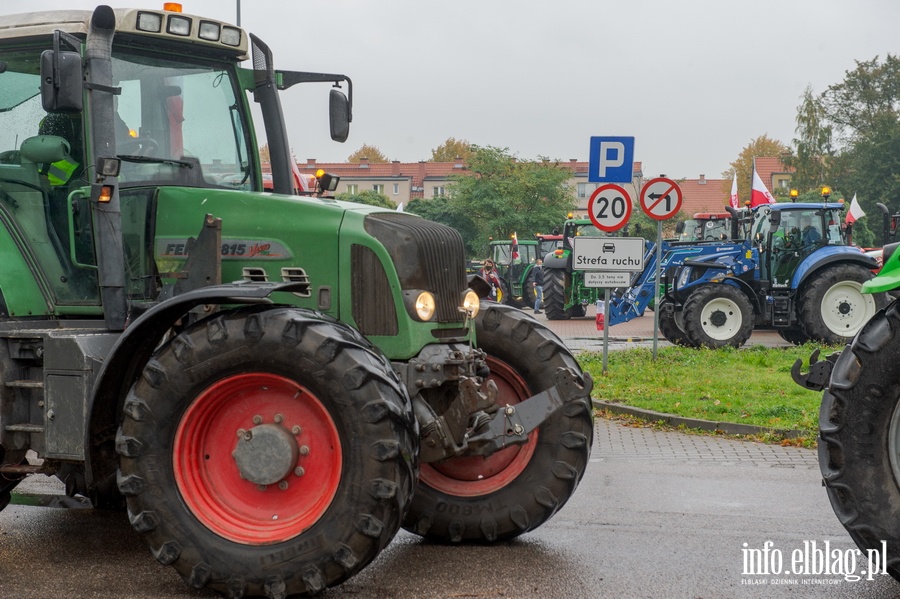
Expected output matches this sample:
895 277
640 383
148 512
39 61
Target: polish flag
734 193
515 247
855 213
759 195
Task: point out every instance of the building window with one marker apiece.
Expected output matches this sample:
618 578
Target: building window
352 188
585 189
438 191
396 189
378 188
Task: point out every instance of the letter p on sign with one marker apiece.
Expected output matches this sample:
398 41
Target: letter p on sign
611 159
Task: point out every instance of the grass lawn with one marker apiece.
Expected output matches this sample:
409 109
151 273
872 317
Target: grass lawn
751 385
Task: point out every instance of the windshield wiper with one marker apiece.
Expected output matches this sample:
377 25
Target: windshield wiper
154 160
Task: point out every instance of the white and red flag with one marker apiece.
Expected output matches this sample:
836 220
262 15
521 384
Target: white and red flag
734 193
759 195
855 213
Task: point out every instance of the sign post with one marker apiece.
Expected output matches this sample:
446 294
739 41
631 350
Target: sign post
660 200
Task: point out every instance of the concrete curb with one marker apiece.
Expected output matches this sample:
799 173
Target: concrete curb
729 428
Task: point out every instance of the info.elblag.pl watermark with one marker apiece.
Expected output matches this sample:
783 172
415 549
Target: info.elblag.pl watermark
814 563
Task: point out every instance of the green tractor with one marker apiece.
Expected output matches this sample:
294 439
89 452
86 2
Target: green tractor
514 270
272 383
565 293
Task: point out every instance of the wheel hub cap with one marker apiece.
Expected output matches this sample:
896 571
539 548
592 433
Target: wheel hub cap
718 318
266 454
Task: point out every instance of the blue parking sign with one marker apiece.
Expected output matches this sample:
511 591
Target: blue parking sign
611 160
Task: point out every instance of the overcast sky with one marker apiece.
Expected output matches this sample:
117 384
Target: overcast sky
694 81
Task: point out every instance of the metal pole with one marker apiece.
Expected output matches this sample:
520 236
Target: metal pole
656 286
238 13
605 327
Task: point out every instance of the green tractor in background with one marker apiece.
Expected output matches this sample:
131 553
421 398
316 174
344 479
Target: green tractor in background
514 270
565 293
272 383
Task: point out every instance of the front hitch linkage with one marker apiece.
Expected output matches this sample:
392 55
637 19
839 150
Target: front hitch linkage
819 373
512 424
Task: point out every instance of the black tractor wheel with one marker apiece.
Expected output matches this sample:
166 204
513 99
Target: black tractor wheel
832 306
507 296
718 315
859 432
528 291
794 335
478 499
267 452
555 294
669 326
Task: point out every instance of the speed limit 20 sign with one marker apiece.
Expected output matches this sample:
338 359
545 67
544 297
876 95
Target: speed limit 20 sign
609 207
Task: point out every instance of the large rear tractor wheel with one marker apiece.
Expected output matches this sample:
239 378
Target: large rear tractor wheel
528 291
555 294
487 499
833 307
718 315
670 327
267 452
859 430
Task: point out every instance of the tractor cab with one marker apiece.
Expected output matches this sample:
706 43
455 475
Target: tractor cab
791 232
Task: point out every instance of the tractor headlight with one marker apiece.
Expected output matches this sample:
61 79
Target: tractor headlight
471 303
425 306
420 304
684 277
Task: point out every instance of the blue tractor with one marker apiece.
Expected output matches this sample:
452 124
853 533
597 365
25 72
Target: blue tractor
794 272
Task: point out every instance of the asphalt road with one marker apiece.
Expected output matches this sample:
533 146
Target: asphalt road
658 514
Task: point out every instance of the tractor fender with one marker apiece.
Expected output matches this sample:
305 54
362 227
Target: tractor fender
563 262
828 256
127 359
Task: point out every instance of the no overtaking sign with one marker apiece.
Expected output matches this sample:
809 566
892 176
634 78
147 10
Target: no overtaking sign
661 198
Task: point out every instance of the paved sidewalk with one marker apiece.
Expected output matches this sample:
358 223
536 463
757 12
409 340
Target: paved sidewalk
618 441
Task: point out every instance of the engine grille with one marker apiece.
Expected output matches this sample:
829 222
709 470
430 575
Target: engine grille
428 256
373 305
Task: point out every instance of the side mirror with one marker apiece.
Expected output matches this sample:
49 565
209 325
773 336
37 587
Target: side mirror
61 81
339 115
775 219
679 228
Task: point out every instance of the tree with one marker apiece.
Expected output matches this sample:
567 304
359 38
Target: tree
264 156
861 114
762 146
368 197
503 195
814 157
366 151
442 210
452 149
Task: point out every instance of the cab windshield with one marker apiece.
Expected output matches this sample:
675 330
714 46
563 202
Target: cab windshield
178 122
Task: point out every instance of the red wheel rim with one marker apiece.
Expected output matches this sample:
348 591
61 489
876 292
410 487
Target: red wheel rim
475 475
208 476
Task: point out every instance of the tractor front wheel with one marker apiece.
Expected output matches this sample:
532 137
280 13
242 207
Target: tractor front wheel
487 499
718 315
859 431
670 327
267 452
